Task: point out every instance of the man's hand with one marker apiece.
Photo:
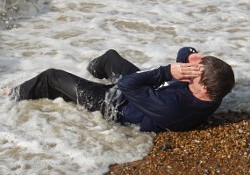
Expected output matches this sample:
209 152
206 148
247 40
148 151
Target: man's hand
194 58
6 90
185 71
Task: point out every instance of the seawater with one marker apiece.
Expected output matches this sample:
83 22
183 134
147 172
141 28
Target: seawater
55 137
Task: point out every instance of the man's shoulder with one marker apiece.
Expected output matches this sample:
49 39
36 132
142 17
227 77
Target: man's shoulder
174 88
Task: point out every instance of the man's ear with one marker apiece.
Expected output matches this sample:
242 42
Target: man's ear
205 94
204 89
194 58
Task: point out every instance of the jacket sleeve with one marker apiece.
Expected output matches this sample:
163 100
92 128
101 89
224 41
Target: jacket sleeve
153 78
139 89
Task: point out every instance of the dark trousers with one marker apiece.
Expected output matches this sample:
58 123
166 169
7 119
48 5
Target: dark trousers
54 83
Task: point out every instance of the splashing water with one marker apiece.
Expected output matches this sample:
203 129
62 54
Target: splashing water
13 10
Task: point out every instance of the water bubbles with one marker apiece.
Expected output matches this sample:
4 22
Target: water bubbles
13 10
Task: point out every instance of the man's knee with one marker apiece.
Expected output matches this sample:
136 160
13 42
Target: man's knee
112 52
50 72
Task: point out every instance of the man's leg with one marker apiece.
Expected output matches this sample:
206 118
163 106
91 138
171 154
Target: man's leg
111 66
54 83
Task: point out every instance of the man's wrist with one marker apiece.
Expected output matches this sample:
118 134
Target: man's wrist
167 72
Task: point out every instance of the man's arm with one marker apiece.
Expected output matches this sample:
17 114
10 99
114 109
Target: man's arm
153 78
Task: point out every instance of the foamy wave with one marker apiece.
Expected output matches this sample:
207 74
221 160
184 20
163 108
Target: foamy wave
12 10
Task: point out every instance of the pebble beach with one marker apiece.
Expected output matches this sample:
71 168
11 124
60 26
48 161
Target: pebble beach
220 147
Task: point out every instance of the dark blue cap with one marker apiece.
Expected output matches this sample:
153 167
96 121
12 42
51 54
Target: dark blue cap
183 54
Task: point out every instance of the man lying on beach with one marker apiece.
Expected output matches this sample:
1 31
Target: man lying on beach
196 87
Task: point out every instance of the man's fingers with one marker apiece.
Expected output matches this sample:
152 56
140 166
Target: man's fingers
190 70
186 71
194 69
190 76
185 65
190 67
191 73
189 64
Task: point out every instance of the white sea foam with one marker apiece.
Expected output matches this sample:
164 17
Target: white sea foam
55 137
13 10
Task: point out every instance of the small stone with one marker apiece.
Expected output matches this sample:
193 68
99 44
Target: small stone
221 149
241 131
196 141
166 147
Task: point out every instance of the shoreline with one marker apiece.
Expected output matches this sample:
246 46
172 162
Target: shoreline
222 146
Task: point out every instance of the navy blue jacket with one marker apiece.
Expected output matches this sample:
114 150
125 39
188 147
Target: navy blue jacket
172 107
156 108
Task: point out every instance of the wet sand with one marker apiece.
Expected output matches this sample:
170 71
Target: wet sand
222 146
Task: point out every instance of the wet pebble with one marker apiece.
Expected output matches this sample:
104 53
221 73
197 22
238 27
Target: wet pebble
222 149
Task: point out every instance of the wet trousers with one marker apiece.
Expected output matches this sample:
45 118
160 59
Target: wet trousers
54 83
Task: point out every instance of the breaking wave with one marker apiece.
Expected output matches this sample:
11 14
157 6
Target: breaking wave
13 10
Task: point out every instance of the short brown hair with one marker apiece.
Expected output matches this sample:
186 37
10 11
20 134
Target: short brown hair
218 77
